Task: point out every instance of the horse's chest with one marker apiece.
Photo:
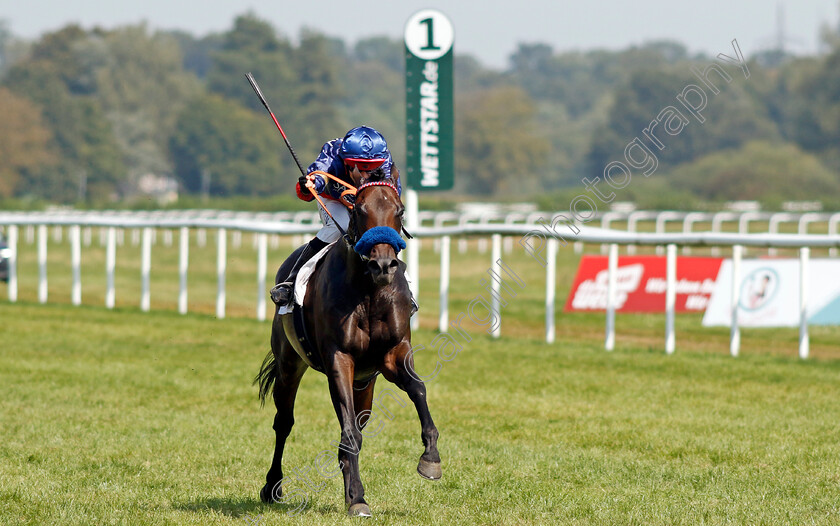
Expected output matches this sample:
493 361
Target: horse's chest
373 332
382 332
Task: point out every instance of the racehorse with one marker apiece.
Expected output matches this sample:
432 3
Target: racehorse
356 314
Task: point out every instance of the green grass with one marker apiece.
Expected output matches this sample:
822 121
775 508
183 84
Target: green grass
124 417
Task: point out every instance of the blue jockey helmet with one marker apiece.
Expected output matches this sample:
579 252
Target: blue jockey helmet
363 142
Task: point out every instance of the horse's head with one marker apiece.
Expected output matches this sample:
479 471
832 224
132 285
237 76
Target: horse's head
375 225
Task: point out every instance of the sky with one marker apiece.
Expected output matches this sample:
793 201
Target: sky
489 30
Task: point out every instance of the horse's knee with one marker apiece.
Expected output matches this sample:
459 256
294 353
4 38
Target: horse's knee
350 445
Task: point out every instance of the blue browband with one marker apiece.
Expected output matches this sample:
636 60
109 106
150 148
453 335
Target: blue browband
377 235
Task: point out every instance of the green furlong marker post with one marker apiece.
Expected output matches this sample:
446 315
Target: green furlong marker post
430 162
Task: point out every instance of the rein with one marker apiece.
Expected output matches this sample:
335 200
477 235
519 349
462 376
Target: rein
350 191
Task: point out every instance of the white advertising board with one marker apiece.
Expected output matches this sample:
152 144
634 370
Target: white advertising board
769 294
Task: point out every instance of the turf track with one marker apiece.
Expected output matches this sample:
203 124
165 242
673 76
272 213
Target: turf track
124 417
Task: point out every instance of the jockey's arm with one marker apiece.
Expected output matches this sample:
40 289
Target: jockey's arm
322 163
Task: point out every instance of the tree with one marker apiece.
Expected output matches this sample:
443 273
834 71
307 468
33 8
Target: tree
374 96
731 118
197 52
239 151
830 35
817 108
496 148
82 135
760 170
382 50
635 104
5 39
252 45
12 49
24 142
60 50
372 79
142 88
579 80
318 91
303 84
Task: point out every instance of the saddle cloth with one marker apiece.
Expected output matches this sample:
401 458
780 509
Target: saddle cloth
302 280
292 318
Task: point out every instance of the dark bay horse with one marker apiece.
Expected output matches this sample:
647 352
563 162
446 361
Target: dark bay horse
356 311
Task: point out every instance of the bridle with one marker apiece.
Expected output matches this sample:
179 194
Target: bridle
346 200
353 224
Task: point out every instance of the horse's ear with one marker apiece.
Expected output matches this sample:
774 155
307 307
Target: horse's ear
356 176
375 175
395 175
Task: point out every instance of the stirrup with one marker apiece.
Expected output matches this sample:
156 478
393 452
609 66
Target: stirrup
282 293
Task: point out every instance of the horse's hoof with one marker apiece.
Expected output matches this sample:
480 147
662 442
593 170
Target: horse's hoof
267 496
360 509
429 470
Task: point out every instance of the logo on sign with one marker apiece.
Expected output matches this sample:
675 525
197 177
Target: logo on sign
759 288
429 126
641 284
592 293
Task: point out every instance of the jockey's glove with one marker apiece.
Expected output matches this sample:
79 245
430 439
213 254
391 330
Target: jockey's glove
312 180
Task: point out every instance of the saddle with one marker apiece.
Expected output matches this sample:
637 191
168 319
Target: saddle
292 316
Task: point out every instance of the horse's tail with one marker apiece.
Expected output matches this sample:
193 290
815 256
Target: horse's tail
265 378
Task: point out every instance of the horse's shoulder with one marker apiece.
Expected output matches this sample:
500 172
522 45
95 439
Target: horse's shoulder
330 264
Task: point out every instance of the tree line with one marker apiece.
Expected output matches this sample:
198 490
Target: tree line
88 112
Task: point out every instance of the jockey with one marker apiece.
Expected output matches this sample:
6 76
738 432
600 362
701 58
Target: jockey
350 159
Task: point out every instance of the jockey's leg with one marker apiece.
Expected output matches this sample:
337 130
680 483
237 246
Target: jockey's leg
283 293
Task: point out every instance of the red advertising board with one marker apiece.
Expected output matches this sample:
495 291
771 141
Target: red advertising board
640 284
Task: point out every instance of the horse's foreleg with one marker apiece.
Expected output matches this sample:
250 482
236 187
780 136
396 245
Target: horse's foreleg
290 369
340 373
399 369
362 402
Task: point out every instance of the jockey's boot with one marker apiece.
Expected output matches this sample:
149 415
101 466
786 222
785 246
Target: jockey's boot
284 293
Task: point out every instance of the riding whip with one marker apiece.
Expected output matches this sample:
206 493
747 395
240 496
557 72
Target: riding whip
256 87
257 90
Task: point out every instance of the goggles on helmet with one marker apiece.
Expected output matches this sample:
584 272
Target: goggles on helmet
364 165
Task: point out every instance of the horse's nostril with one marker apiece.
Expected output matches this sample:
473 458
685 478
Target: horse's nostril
383 267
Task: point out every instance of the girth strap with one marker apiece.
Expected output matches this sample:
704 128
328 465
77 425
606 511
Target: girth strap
304 340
